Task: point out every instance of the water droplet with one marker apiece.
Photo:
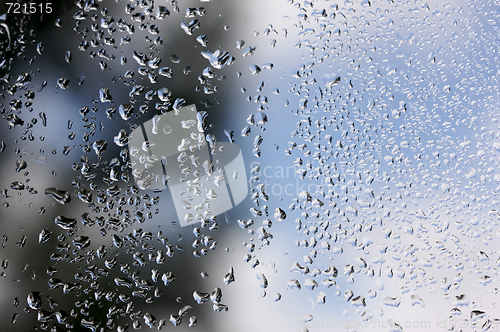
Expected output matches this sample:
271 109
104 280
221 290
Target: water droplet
91 323
165 71
240 43
34 300
122 138
23 79
254 69
203 40
39 48
218 59
63 82
150 320
67 56
178 104
126 111
20 165
43 117
415 299
162 12
229 277
44 235
262 280
60 196
65 223
167 129
105 96
100 146
43 85
167 278
164 94
175 58
392 301
249 51
16 185
191 26
200 297
13 120
177 319
279 214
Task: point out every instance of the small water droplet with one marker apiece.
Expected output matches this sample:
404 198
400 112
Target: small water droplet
67 56
63 82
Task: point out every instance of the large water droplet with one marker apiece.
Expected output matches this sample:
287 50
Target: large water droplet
126 111
218 59
65 223
60 196
34 300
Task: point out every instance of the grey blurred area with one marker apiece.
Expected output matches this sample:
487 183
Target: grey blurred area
41 257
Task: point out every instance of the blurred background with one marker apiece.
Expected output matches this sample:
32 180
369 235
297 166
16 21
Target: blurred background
370 135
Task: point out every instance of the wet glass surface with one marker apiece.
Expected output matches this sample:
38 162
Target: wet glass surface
231 165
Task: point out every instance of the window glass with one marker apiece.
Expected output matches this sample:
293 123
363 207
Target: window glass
238 165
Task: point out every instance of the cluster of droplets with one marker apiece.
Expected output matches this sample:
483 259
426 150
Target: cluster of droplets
387 172
112 208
